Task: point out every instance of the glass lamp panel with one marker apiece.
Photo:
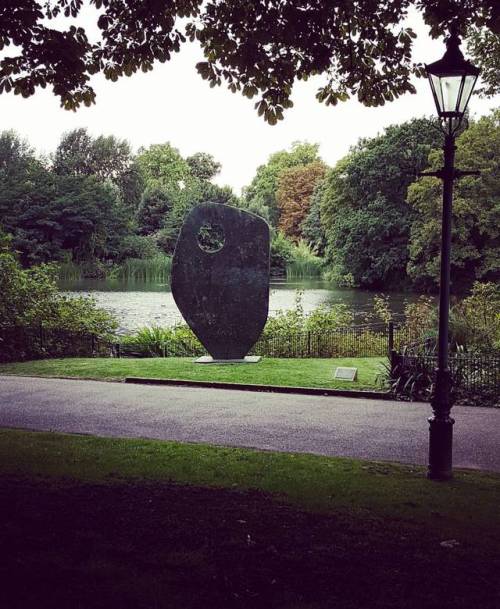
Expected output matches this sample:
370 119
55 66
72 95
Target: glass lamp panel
469 82
450 88
435 82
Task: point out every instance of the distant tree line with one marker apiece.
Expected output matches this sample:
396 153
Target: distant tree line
95 203
369 221
374 221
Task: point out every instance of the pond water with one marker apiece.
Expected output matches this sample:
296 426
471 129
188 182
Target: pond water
138 304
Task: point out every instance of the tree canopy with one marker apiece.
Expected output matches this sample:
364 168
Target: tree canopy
295 188
260 196
259 48
364 211
94 203
475 251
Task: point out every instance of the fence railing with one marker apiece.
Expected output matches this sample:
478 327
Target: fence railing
19 343
370 340
475 376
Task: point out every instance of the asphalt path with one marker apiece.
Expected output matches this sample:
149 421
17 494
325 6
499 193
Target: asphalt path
341 426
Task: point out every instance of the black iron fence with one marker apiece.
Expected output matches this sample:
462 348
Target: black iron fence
369 340
20 343
475 376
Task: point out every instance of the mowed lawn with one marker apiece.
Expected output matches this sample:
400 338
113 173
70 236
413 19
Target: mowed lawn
269 371
97 523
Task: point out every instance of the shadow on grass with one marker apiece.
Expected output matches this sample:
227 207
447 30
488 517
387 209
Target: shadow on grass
157 544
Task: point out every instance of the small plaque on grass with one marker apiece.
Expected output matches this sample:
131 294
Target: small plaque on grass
346 374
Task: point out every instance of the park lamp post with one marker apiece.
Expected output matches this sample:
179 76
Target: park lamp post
452 81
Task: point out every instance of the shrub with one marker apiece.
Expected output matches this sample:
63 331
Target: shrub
304 262
281 253
475 322
29 298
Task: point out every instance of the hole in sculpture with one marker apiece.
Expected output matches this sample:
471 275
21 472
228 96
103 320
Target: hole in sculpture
211 237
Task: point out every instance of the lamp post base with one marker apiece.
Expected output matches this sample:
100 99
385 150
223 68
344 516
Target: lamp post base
440 448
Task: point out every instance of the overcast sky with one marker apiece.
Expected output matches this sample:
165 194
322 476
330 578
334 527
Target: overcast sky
172 103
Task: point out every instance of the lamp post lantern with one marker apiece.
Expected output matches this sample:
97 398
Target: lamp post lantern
452 81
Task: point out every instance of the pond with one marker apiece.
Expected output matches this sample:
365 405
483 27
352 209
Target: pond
138 304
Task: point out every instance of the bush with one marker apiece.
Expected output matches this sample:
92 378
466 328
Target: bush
29 298
304 262
281 253
475 322
154 341
138 246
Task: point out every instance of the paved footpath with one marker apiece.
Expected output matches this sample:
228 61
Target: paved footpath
350 427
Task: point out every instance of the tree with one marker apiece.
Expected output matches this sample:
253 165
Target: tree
364 211
30 298
261 47
203 166
260 196
50 216
162 165
105 157
476 213
195 192
156 204
295 188
312 228
483 46
16 155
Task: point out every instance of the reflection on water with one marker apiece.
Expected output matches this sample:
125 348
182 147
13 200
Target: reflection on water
137 304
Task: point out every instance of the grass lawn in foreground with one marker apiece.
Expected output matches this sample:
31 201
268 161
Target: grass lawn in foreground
269 371
91 522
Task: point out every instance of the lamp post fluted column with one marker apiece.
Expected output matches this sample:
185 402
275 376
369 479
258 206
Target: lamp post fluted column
440 423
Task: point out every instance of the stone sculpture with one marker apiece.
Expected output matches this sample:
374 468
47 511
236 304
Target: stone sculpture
220 278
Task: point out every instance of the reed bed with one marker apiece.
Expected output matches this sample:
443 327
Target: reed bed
146 269
69 271
304 263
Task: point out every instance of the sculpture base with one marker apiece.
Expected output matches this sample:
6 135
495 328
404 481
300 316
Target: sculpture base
208 359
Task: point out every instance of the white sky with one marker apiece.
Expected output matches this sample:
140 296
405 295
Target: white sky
172 103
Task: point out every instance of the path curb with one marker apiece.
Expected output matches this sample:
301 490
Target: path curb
353 393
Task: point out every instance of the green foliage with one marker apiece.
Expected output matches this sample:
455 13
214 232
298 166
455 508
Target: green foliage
31 298
50 216
155 341
258 48
295 320
157 202
203 166
312 229
138 246
104 157
162 165
303 263
410 379
156 268
475 321
281 253
420 316
475 250
364 211
483 46
260 196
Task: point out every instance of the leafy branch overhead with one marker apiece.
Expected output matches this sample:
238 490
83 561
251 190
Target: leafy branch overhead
362 48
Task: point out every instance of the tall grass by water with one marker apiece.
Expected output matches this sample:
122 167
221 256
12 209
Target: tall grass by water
69 271
155 269
146 269
305 263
